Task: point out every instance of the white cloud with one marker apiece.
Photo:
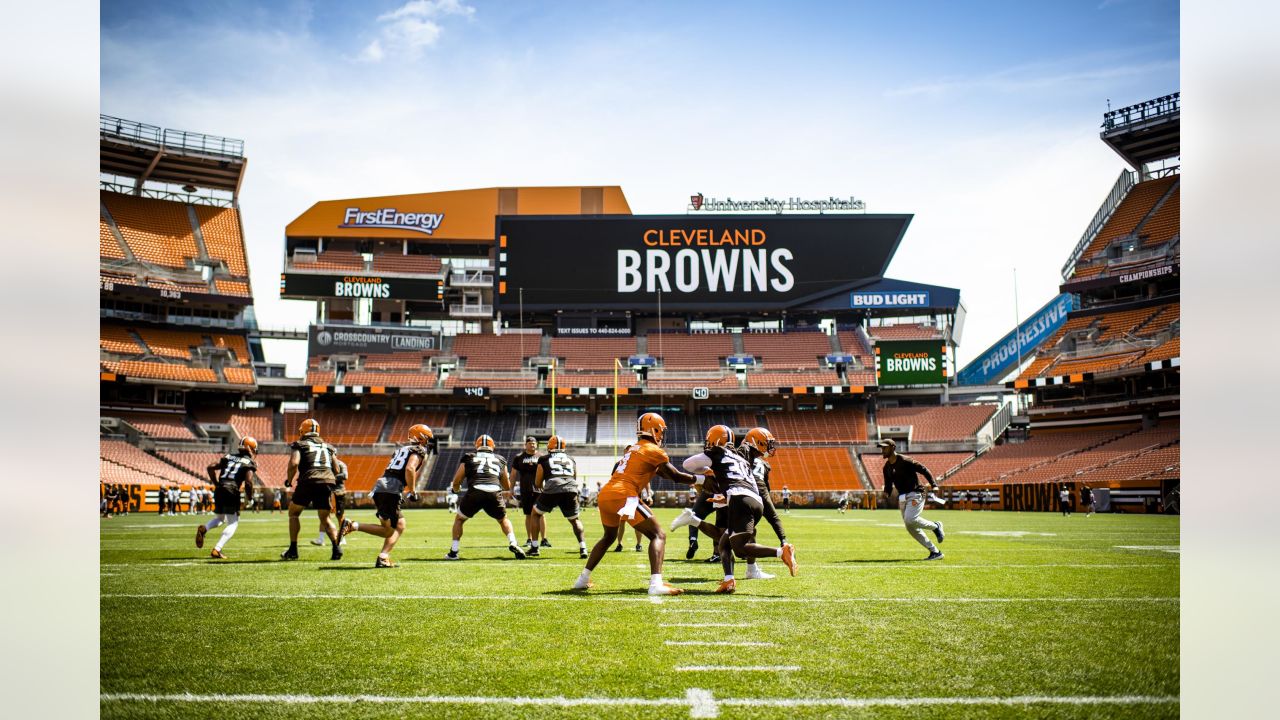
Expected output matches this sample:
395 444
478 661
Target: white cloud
410 28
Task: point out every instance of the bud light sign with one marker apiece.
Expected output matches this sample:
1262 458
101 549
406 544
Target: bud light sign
889 299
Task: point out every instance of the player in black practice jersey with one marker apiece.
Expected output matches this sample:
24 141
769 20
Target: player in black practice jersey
736 483
339 500
228 475
312 463
756 439
557 483
401 475
524 465
487 481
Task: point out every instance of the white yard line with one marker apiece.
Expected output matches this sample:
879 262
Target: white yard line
736 668
1175 549
705 625
608 598
720 643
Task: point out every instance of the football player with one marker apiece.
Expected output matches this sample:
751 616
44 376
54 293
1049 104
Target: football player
620 498
228 475
401 475
734 480
758 445
312 464
487 480
525 465
339 500
556 482
900 473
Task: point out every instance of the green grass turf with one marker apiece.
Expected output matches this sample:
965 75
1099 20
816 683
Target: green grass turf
1024 604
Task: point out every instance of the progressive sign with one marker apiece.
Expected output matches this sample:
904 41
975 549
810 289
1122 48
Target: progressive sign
688 262
996 361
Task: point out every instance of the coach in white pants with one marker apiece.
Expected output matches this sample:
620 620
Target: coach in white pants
902 474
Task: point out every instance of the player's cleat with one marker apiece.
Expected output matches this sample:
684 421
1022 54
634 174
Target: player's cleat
336 554
715 558
317 542
345 529
934 556
580 585
755 573
582 554
383 563
515 550
200 531
789 558
532 551
290 554
937 532
216 554
619 548
686 517
545 543
664 589
637 547
693 550
452 555
727 587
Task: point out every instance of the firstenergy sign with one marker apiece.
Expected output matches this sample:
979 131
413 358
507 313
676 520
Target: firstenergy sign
689 262
392 219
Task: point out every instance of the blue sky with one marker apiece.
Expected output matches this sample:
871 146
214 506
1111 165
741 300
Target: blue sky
979 118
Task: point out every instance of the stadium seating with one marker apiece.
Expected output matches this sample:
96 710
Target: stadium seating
321 377
397 361
175 344
340 427
400 426
239 375
626 378
788 351
1135 206
594 354
232 287
160 371
662 380
108 246
572 426
118 339
807 469
424 264
157 231
341 260
254 422
851 343
445 465
1164 351
497 352
838 425
792 379
946 423
626 426
117 474
390 379
904 332
220 228
468 424
272 469
510 381
162 426
938 464
193 462
690 352
124 454
1165 223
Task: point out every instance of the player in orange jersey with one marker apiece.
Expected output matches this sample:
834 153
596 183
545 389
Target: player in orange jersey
620 498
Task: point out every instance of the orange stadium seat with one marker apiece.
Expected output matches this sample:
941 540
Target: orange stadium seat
108 246
405 420
1165 223
677 381
117 339
232 287
626 378
904 332
117 474
497 352
238 375
343 260
157 231
220 228
516 381
690 352
350 427
838 425
390 379
1135 206
946 423
322 377
272 469
852 343
160 371
792 379
593 354
788 351
397 361
122 453
802 469
157 425
424 264
254 422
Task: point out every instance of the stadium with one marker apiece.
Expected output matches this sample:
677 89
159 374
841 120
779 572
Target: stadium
456 309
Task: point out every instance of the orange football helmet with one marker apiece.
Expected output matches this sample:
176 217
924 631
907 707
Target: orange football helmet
720 436
557 444
485 442
249 444
762 440
309 426
652 426
420 434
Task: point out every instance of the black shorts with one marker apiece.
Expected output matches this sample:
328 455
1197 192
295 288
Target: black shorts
566 501
528 499
340 499
473 501
388 505
226 501
313 496
744 512
702 507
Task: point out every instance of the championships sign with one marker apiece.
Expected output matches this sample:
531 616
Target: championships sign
688 262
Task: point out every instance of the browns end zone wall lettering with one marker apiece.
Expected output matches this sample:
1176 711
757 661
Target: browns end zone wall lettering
358 286
719 262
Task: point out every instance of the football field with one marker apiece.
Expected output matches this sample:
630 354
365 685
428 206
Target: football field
1029 614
